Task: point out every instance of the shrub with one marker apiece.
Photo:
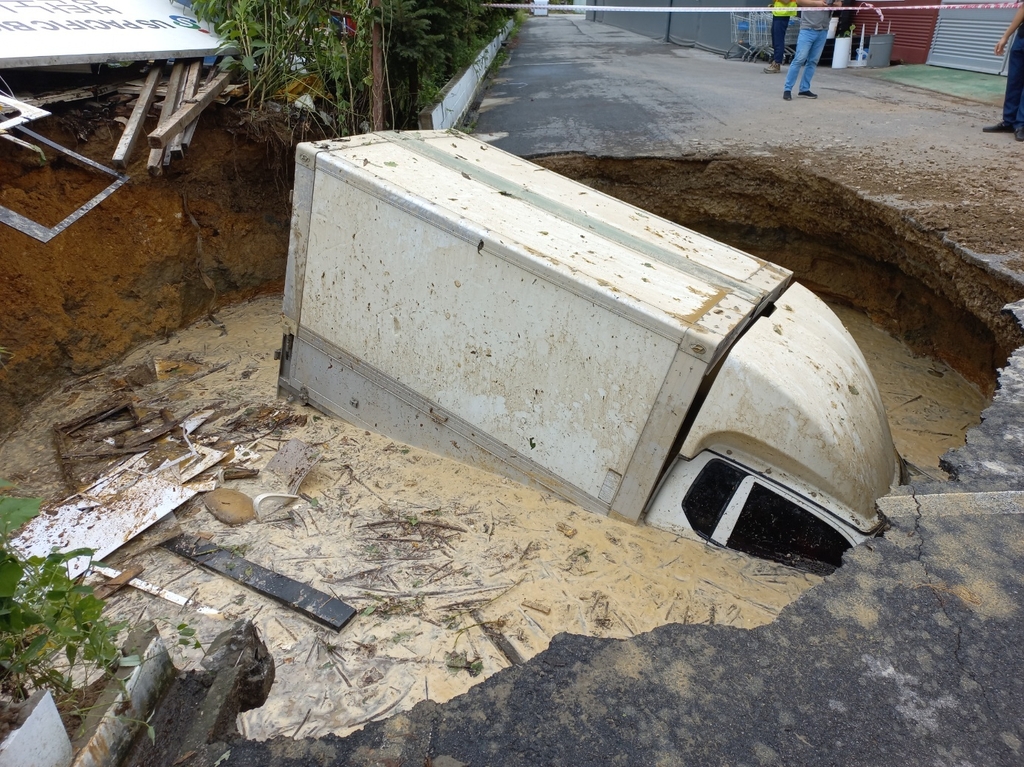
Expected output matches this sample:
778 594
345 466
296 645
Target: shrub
291 48
46 619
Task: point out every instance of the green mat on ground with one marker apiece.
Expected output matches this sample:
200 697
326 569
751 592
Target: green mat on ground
955 82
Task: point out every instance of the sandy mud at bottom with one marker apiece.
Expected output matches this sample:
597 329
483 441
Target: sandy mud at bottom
456 573
930 406
444 563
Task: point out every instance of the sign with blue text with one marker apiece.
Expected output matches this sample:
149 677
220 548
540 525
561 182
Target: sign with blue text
37 33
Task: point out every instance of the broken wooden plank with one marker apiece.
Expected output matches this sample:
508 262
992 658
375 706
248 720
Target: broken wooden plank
125 147
102 411
188 93
188 112
167 108
66 470
159 591
190 131
116 582
314 604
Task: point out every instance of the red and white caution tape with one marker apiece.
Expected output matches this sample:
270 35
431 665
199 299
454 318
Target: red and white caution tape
747 9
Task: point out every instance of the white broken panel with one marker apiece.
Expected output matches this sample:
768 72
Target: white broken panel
39 33
111 512
25 113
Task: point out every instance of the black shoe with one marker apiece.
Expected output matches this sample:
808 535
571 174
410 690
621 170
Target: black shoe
807 95
1003 127
1019 133
787 96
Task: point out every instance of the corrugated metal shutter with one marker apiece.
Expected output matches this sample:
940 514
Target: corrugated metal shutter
913 29
708 31
965 39
654 25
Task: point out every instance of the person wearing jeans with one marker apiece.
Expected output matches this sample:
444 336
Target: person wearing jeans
809 44
1013 103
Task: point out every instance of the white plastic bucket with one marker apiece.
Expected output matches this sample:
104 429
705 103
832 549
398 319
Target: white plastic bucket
841 52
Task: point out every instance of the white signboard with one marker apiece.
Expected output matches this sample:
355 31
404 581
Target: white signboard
35 33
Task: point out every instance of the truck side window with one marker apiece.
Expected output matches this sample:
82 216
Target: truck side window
710 494
773 527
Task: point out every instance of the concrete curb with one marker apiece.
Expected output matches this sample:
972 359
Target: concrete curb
459 92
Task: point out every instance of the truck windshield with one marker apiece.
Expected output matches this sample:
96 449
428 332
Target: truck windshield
709 495
773 527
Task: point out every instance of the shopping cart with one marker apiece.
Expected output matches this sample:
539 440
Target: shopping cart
792 33
751 35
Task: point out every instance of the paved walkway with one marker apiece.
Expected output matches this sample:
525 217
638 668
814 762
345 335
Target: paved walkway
578 86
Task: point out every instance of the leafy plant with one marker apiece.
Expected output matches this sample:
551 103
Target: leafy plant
49 625
849 32
295 53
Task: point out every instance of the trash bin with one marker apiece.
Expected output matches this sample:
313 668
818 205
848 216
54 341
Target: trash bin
542 11
880 50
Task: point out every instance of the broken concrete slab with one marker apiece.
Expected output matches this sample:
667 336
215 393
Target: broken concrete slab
126 705
293 462
195 723
39 740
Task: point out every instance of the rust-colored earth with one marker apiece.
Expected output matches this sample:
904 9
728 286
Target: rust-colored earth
135 267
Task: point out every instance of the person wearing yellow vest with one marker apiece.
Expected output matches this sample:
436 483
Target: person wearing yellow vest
783 11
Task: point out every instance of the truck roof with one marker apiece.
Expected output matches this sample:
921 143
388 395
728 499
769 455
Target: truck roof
678 282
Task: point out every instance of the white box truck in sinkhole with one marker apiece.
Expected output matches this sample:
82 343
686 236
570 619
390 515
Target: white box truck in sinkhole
461 299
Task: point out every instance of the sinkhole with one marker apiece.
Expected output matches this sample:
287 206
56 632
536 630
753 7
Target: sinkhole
456 573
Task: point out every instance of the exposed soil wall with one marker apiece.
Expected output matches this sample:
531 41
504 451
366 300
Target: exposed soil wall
135 267
909 279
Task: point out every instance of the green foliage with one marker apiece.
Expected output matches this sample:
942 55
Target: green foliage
291 52
46 618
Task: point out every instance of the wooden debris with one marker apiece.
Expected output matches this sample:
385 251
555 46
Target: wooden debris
110 513
157 591
188 93
104 590
238 472
100 412
123 153
537 606
306 600
167 108
187 112
492 631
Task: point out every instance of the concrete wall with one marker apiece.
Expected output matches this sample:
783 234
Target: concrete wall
458 94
